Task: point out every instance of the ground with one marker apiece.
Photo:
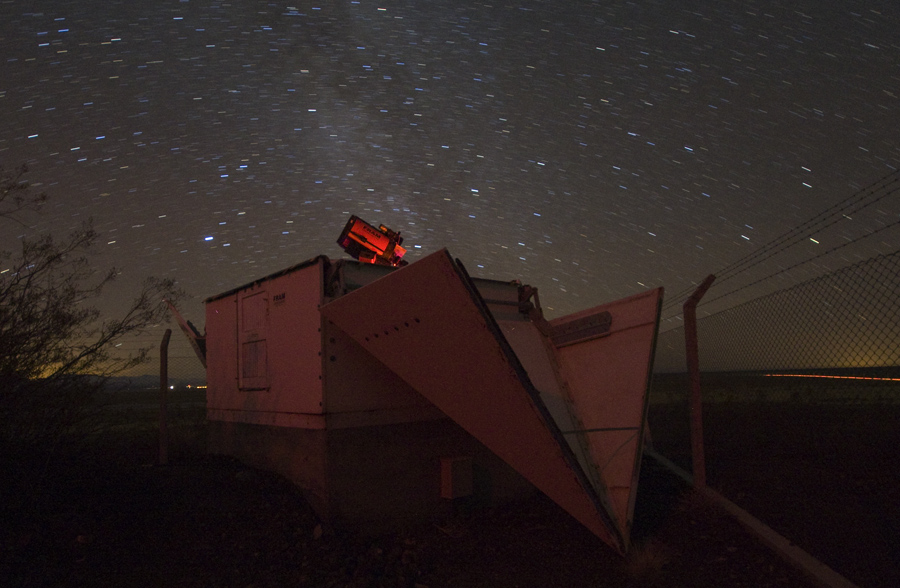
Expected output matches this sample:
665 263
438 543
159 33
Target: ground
815 460
117 520
103 514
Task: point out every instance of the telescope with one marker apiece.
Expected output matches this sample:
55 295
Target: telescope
367 244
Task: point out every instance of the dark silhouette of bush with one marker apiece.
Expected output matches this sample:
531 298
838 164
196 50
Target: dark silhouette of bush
56 348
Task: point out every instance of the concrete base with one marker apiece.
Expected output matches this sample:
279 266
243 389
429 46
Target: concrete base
374 477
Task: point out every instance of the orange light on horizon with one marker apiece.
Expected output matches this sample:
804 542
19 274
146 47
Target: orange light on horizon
832 377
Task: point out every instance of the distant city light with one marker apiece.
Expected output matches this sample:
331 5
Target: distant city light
834 377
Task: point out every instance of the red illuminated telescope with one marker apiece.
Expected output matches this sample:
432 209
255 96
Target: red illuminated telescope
364 242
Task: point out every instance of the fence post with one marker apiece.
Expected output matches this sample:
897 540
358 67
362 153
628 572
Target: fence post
163 398
689 310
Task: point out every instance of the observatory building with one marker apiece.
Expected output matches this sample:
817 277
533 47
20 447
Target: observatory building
385 391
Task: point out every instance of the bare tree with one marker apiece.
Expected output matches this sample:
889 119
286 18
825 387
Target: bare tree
55 347
15 195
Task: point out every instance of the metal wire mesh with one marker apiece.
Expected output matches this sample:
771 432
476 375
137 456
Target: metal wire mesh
801 400
845 323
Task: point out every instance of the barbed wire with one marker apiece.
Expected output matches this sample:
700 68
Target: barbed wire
849 318
881 189
800 263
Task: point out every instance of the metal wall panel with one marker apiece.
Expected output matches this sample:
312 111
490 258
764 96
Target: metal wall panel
607 376
427 323
295 341
355 382
264 351
538 357
221 354
253 324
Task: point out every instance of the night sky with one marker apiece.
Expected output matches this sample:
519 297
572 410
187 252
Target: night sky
591 149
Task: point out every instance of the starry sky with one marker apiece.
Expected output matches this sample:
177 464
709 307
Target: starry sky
591 149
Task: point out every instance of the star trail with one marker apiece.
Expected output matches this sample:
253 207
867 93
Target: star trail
592 149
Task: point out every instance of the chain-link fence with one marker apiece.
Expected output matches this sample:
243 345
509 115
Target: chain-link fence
801 412
845 323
